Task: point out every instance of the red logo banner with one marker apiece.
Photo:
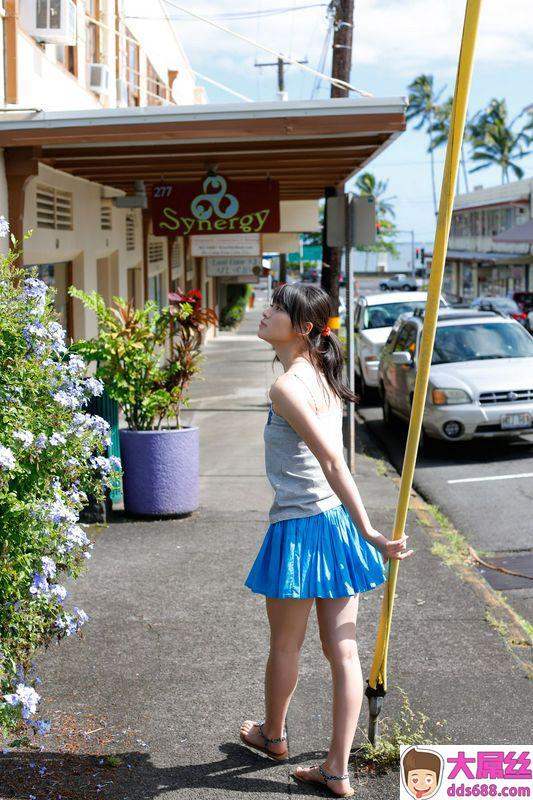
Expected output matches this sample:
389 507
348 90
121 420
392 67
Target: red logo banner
217 205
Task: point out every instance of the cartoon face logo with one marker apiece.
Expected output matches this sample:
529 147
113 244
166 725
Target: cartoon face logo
421 772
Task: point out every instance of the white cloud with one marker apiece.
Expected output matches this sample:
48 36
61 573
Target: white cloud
406 36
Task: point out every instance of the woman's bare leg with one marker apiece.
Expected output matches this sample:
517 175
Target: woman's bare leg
288 622
337 619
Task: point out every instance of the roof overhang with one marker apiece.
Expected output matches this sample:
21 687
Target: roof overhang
487 259
517 234
306 145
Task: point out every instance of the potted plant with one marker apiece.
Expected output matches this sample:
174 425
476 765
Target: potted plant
160 461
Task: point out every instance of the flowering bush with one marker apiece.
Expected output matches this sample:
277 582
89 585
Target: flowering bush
130 348
50 459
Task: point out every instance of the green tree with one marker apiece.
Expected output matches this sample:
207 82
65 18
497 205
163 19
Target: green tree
440 131
495 142
423 103
367 184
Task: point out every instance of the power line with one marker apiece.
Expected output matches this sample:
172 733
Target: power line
337 82
280 64
200 75
323 57
236 15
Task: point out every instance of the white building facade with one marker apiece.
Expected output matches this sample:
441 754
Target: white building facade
476 264
70 55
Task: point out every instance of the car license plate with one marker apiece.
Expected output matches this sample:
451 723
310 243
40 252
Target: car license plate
516 420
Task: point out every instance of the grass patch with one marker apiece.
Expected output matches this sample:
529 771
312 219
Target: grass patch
381 467
498 624
453 548
410 729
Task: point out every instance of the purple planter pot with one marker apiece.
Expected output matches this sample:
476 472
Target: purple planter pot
161 470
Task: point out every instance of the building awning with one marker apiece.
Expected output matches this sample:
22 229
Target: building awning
306 145
517 234
487 258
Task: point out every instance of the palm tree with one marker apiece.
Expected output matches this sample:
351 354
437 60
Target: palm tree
440 130
422 107
494 142
367 184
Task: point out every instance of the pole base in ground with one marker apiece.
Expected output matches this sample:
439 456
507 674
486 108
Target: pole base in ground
375 704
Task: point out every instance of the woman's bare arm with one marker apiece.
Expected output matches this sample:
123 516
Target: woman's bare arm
291 403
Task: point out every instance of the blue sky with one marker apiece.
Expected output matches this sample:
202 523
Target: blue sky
394 40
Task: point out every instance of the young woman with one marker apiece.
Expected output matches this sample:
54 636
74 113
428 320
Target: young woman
320 543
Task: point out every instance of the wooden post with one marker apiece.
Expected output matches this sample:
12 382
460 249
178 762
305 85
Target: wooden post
21 163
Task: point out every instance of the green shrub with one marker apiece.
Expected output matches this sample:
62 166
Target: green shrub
50 460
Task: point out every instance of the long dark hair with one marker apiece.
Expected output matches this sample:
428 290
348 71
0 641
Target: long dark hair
311 304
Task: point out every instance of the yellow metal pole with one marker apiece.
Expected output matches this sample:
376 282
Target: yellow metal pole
378 673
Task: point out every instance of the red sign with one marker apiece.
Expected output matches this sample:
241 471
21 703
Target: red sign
217 205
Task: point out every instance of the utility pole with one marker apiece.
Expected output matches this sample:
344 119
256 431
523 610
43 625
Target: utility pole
283 96
341 62
280 64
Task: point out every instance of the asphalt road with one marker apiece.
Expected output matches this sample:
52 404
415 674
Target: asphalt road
485 489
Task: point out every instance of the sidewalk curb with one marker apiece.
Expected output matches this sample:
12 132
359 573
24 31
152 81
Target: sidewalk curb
449 544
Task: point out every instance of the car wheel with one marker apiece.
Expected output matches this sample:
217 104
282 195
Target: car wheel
406 287
383 287
428 445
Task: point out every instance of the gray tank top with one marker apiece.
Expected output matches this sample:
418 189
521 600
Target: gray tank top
295 474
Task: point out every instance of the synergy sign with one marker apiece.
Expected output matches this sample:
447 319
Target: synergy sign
218 206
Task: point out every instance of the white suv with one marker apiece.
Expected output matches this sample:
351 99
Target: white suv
374 316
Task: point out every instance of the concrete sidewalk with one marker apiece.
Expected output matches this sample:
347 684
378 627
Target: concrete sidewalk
172 658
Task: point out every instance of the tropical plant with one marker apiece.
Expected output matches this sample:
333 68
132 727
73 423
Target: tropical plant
494 142
187 322
440 131
386 229
130 352
367 184
423 102
50 461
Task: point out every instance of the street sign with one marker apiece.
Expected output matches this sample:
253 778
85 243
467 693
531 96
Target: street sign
237 244
362 221
232 265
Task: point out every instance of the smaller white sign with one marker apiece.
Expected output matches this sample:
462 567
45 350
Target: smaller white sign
229 244
231 265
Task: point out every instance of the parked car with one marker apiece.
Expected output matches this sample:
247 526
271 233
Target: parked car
401 281
523 299
502 305
311 275
374 316
480 380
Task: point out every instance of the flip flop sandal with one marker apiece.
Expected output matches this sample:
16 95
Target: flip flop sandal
276 756
327 777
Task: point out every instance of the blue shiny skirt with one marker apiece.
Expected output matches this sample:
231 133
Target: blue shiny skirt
323 555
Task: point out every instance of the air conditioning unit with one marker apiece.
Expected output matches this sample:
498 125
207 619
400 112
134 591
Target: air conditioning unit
122 93
52 21
99 78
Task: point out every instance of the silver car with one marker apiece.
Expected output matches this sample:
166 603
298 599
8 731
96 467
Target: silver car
374 316
480 381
